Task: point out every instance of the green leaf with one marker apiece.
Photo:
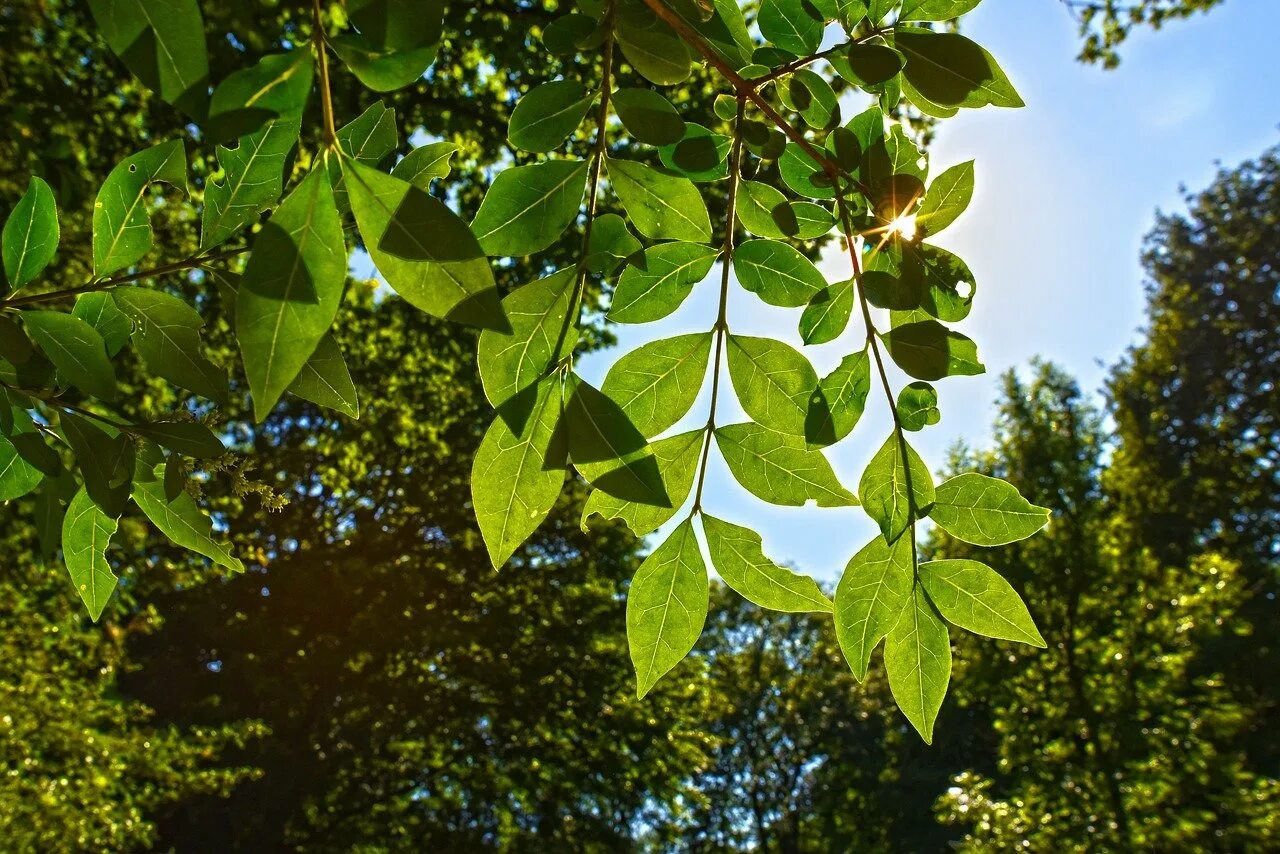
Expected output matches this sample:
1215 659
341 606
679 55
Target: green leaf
518 473
973 596
325 379
656 384
253 178
654 285
162 43
773 382
275 87
777 273
953 71
936 10
542 332
17 475
666 606
425 163
780 468
834 409
179 519
648 116
121 226
700 155
653 48
290 290
188 438
985 511
827 314
812 97
175 476
611 243
930 351
607 449
947 198
398 25
803 175
380 68
76 350
662 206
765 212
369 138
528 207
870 597
568 34
873 64
547 114
30 236
105 461
895 493
737 554
166 332
918 406
945 283
677 460
917 660
99 310
790 26
427 254
86 532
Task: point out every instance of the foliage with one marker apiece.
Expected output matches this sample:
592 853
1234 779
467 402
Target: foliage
59 370
1105 24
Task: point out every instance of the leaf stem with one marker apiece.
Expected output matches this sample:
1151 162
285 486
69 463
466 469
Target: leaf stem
322 62
573 317
194 261
721 327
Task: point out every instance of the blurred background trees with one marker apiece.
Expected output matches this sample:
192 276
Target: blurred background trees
371 684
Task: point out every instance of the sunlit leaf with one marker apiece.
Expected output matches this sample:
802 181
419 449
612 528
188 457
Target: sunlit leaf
737 554
874 589
973 596
666 606
30 236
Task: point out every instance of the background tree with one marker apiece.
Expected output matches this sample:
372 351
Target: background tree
1105 24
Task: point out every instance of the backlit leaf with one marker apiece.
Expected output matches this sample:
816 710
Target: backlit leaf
425 163
973 596
666 606
657 383
662 206
528 207
895 492
541 333
121 225
76 350
917 406
86 532
838 403
648 116
547 114
737 554
162 43
777 272
607 449
985 511
827 314
953 71
180 518
874 589
326 380
930 351
947 198
655 284
917 660
677 460
780 468
773 382
166 333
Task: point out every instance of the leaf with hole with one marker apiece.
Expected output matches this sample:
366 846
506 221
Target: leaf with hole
425 163
121 225
917 406
99 310
166 333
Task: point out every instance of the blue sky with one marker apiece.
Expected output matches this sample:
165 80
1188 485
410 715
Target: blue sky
1066 190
